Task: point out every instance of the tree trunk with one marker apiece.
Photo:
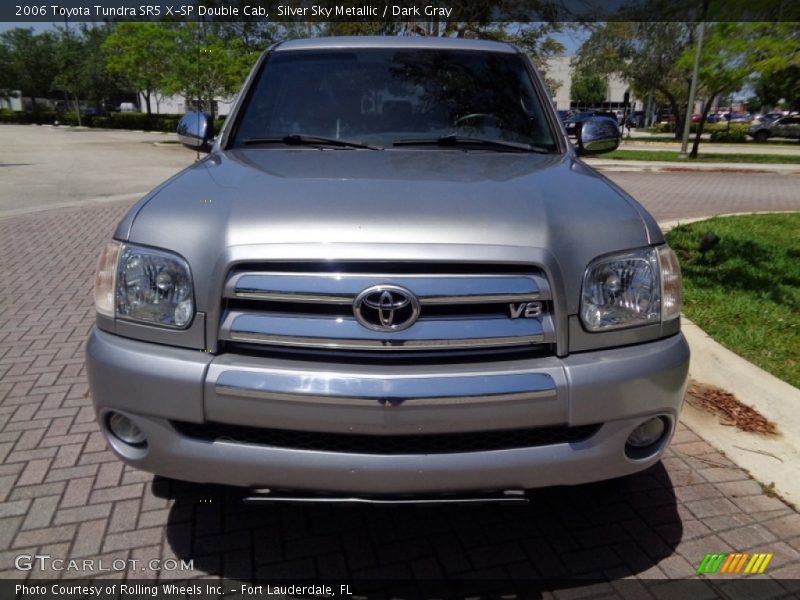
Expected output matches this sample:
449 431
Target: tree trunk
673 105
701 125
78 110
676 112
147 102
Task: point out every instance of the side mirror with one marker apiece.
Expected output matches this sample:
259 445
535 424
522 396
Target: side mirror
195 131
598 135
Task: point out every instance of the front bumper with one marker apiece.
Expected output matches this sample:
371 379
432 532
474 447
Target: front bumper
156 385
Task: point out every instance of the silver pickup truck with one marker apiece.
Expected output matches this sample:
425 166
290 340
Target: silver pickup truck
390 279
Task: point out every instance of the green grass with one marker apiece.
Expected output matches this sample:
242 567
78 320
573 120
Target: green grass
669 138
745 292
670 155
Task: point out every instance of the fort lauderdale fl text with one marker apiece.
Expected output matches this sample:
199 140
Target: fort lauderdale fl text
188 11
181 591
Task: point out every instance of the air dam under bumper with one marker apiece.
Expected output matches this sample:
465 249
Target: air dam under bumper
153 385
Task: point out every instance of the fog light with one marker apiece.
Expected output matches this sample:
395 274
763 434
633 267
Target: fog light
647 433
125 429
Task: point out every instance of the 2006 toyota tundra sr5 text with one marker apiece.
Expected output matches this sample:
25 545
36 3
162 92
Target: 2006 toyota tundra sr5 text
390 278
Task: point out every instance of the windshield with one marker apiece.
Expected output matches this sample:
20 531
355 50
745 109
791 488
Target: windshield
380 96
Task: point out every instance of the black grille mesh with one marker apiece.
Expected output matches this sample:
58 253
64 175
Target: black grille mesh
438 443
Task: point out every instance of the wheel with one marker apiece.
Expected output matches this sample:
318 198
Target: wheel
464 121
761 136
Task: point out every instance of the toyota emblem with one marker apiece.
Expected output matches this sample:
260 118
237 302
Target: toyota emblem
386 308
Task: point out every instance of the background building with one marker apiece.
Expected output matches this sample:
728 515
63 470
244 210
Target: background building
560 69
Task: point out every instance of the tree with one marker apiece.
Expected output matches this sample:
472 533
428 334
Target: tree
645 55
360 28
28 65
780 88
70 77
98 84
776 49
735 53
587 88
82 71
7 76
208 67
144 54
254 35
725 64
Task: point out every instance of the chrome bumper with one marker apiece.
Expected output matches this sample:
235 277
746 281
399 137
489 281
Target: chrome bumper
154 385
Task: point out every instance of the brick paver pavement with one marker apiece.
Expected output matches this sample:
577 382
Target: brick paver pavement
684 195
64 494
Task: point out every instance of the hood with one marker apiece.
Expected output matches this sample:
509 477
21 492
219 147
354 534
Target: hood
332 204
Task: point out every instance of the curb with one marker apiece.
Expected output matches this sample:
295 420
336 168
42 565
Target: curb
771 460
637 166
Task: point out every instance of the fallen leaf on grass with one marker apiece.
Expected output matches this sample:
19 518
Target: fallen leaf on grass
731 411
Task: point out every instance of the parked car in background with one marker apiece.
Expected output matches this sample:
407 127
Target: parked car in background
768 117
738 117
608 115
785 127
563 115
93 111
710 118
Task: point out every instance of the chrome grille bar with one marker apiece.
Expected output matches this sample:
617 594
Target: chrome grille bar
457 310
346 333
342 288
437 390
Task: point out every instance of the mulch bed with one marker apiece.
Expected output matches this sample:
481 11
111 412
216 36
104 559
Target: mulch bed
731 411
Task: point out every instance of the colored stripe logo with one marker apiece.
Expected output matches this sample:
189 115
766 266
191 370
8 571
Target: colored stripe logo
735 563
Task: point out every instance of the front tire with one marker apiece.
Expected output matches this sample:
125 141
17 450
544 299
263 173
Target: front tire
761 136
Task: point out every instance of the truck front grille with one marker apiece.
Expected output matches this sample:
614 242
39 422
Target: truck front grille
456 308
434 443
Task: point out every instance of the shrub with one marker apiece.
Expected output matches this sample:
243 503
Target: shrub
44 117
720 132
8 116
132 120
724 132
127 120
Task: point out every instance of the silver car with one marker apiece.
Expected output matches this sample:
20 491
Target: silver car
783 127
391 278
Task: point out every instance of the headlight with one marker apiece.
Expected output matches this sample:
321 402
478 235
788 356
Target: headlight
143 284
632 288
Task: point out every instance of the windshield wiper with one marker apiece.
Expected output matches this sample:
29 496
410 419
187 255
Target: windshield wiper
460 140
298 139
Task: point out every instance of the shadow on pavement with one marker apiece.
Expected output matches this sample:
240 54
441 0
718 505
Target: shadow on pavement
567 536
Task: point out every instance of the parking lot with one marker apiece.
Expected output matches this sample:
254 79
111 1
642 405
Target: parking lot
64 494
